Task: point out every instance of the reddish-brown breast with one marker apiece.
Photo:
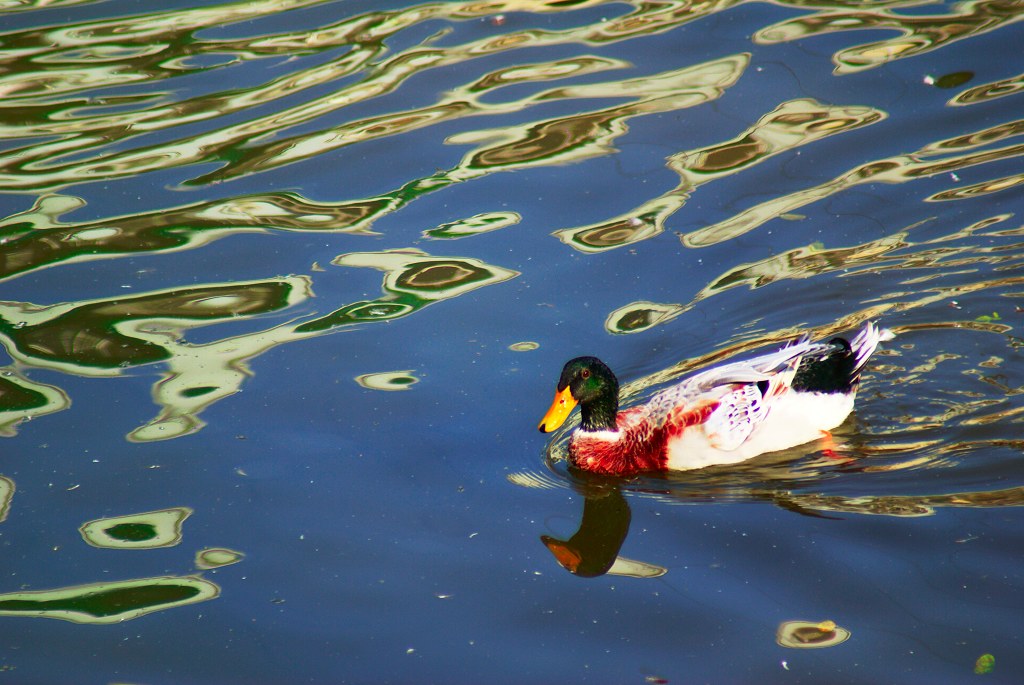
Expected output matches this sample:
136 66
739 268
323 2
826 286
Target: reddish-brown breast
641 445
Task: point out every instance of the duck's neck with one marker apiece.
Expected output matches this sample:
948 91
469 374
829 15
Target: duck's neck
600 414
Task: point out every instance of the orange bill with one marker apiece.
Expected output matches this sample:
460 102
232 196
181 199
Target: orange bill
567 557
559 411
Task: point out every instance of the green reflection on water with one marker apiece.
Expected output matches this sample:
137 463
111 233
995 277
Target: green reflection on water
984 664
215 557
6 495
148 530
111 602
919 33
989 91
64 63
792 124
640 316
37 238
474 225
132 532
22 399
103 337
954 154
412 280
110 334
388 380
63 131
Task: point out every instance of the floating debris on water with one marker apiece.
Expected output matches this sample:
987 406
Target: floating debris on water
810 634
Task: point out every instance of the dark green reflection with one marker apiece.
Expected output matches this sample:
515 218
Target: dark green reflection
412 280
17 397
592 550
147 530
89 334
640 316
132 532
199 392
37 238
109 602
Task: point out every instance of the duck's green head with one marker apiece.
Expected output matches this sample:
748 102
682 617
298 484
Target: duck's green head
588 382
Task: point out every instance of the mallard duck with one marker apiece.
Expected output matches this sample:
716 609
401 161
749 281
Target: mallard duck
724 415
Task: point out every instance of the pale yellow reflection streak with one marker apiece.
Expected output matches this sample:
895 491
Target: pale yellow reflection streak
790 125
942 257
904 505
460 102
896 169
989 91
222 366
920 33
474 225
164 526
111 601
120 39
977 189
15 5
560 140
591 133
104 337
217 368
38 238
22 399
39 166
408 274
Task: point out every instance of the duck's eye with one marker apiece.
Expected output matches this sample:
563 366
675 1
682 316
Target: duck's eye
585 373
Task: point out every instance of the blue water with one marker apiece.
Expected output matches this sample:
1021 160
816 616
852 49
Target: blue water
394 535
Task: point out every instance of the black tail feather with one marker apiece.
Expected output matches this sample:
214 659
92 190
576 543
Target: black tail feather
834 372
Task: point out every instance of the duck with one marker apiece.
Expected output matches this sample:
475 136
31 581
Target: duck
720 416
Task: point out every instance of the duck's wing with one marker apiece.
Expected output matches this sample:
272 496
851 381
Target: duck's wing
734 399
758 369
741 393
713 384
738 413
747 393
747 390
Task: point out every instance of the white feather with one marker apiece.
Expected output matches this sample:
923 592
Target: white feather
794 419
742 427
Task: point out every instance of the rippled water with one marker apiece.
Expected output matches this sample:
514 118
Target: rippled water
242 444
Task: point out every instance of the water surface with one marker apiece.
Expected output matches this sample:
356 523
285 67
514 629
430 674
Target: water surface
287 286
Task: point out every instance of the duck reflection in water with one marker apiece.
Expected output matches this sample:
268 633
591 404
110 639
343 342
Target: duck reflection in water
594 549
